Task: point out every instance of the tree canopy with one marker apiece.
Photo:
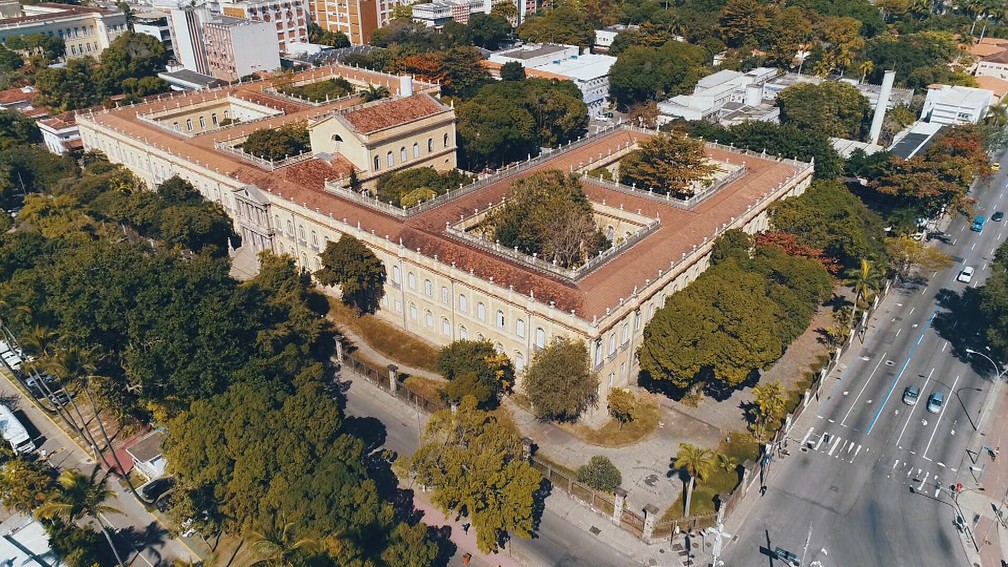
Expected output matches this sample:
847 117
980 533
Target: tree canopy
832 107
476 466
279 143
548 214
394 186
474 368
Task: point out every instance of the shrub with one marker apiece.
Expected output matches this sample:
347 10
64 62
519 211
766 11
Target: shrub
600 474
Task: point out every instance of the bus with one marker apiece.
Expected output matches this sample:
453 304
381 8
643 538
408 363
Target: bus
14 432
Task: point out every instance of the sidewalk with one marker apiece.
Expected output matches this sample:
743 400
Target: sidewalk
985 484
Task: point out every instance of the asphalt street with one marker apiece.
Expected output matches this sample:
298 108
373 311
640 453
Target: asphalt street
867 481
557 543
140 540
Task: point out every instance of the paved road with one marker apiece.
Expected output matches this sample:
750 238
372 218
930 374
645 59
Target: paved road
558 542
138 535
866 482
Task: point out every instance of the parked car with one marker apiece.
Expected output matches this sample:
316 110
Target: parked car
966 276
157 488
936 401
911 394
13 360
997 216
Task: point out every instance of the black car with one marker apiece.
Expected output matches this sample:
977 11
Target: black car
157 488
997 216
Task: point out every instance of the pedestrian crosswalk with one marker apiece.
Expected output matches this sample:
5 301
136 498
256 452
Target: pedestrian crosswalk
833 446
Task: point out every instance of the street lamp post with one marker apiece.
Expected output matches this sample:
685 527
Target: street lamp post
997 369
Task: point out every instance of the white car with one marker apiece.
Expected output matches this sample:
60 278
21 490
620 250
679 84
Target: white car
966 276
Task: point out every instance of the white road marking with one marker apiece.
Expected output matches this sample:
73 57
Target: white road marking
942 414
937 491
954 241
912 310
807 435
923 480
973 246
835 445
894 464
832 421
984 267
851 448
913 407
941 464
881 360
898 331
855 453
944 346
821 437
928 459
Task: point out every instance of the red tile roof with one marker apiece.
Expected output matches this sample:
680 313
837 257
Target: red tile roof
392 112
16 95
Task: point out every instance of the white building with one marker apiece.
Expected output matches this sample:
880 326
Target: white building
156 26
236 47
713 92
187 37
605 36
590 72
956 105
994 66
60 133
289 16
438 13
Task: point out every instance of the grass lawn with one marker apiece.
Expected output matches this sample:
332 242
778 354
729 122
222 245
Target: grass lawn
400 346
742 446
611 435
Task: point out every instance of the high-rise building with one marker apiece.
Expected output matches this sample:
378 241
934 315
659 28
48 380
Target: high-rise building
84 30
288 16
187 37
358 19
237 47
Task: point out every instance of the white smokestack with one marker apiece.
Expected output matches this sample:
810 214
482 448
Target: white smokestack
881 106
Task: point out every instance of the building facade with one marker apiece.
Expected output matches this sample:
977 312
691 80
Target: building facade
442 285
156 26
85 31
288 16
236 47
946 104
187 37
358 19
590 72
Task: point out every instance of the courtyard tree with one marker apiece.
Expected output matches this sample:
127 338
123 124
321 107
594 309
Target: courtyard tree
696 463
278 143
600 473
476 467
559 381
669 164
548 214
351 265
512 71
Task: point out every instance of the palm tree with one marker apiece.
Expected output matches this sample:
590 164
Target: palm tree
696 462
770 404
866 67
373 93
79 496
279 547
997 115
726 463
865 281
78 367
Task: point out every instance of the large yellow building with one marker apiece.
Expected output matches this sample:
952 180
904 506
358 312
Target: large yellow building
84 30
444 282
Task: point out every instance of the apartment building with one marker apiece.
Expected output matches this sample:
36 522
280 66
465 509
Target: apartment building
358 19
237 47
440 12
288 16
187 37
156 25
85 31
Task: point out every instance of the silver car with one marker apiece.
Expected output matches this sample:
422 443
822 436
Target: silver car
935 401
911 394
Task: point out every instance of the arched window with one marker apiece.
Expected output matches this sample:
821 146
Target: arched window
290 228
499 348
213 118
416 150
430 145
301 232
402 154
612 344
429 317
314 238
463 303
318 265
428 288
500 319
390 161
337 142
636 320
445 296
540 338
651 312
520 328
446 140
412 311
188 124
445 327
377 163
626 333
519 362
202 122
598 353
396 274
463 333
481 311
411 278
304 260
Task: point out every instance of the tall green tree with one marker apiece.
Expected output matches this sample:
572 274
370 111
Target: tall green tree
350 264
480 368
768 406
79 496
476 467
566 24
17 130
559 381
25 485
835 108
